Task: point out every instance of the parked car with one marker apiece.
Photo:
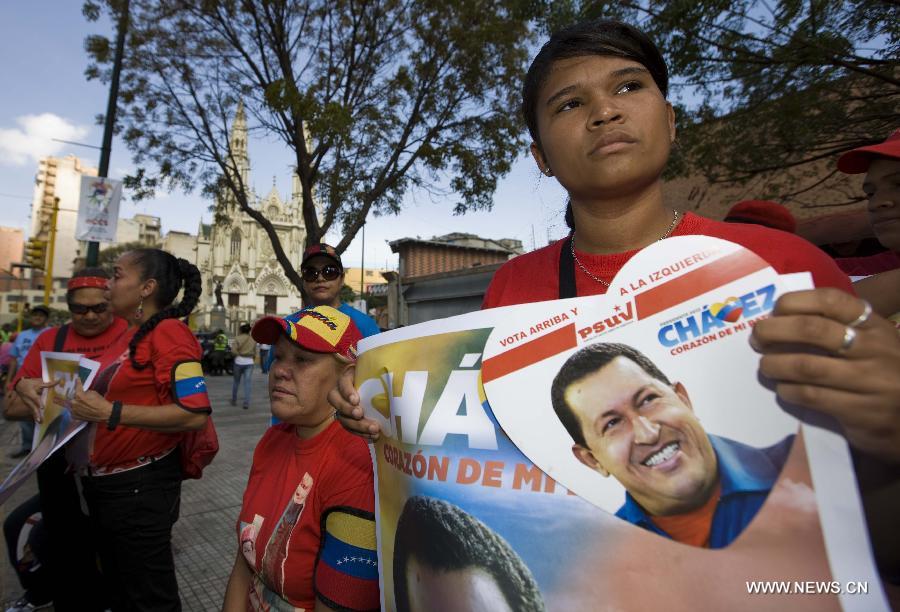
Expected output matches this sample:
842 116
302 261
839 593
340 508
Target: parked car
206 340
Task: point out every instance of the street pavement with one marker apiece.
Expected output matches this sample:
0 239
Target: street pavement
204 539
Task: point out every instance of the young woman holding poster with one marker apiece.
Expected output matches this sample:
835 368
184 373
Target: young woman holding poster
149 391
594 101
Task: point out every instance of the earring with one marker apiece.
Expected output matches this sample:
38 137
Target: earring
139 313
548 171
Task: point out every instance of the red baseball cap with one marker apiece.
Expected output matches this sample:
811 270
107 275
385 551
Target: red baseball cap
325 250
763 212
857 161
321 329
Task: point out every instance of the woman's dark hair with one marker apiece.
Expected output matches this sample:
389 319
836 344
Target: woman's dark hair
595 37
171 274
446 538
86 273
245 328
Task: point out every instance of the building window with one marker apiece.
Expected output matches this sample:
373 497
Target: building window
234 299
271 304
236 244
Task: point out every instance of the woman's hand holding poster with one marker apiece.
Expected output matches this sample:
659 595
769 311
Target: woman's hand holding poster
57 425
610 452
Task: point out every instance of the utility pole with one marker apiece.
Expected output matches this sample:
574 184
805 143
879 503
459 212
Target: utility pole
93 250
51 249
362 274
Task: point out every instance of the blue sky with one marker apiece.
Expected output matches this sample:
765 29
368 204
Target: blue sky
46 96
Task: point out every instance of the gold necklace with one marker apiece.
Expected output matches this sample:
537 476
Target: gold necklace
600 280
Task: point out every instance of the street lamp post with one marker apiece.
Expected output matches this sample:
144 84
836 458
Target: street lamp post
93 250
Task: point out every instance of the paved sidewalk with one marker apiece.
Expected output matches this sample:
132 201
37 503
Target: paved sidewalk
204 538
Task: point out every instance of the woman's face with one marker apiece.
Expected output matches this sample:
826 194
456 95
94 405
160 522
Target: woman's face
126 287
299 382
604 125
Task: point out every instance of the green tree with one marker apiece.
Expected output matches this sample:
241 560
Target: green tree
109 255
768 86
347 294
371 98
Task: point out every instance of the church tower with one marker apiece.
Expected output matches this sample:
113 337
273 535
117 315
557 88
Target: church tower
238 144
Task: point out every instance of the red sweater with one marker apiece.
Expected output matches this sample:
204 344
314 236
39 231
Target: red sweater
534 277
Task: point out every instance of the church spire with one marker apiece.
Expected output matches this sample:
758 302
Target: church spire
238 143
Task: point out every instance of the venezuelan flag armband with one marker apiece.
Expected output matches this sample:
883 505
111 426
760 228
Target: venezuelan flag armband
346 574
189 387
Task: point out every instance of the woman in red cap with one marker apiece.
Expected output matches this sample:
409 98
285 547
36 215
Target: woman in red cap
306 530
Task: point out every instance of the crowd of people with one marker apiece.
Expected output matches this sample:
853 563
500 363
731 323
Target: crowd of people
595 105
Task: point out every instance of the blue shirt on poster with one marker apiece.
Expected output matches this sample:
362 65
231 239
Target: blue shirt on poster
366 325
746 475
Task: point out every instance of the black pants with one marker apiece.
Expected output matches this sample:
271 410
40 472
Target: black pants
71 554
27 557
132 514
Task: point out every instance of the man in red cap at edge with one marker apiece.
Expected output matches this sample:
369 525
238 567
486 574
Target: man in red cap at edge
881 165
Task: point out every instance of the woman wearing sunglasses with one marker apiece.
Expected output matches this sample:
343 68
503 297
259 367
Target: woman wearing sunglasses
323 278
71 565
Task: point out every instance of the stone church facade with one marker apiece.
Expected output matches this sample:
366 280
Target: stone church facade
237 255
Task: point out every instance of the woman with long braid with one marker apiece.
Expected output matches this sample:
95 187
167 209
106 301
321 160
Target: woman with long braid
151 389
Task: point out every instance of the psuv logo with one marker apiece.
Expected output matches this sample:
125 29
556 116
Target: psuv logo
717 316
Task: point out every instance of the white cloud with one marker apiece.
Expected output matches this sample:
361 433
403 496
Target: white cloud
32 140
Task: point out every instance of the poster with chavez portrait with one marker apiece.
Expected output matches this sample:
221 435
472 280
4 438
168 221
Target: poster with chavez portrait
57 426
610 452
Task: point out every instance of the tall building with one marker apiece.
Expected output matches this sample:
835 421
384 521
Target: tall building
12 244
142 228
236 253
59 178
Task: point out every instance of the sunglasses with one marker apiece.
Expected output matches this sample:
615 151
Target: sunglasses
81 309
328 273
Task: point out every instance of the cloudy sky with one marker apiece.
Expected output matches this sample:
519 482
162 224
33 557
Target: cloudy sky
46 97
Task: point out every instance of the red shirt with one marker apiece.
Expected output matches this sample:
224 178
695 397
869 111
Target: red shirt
307 523
867 266
692 527
534 277
173 376
92 348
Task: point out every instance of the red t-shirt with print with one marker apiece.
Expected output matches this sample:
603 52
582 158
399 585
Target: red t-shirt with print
92 348
173 376
534 277
307 524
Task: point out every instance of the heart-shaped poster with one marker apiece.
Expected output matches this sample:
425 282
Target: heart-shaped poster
645 401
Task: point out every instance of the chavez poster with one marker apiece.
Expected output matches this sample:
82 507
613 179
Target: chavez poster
611 452
57 425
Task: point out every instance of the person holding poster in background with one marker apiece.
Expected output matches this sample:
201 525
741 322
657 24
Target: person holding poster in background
594 101
70 555
151 389
628 421
306 529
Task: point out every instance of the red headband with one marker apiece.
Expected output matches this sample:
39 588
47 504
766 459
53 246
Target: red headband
82 282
